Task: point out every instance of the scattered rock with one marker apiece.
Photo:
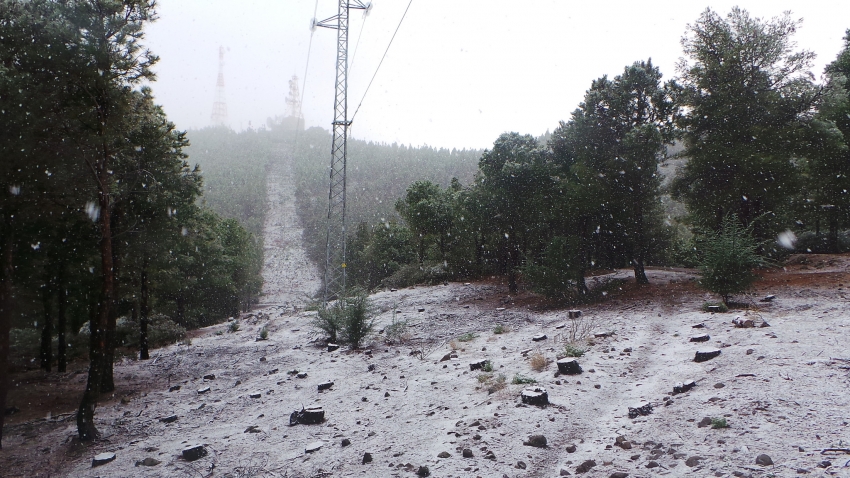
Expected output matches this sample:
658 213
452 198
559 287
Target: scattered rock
444 454
743 322
174 388
314 447
521 465
194 452
204 390
654 464
750 351
386 394
565 472
467 453
448 356
705 422
693 461
169 419
209 376
823 464
252 429
640 411
423 470
698 326
538 441
102 459
764 460
346 442
301 375
569 366
585 466
535 396
574 314
700 338
706 355
255 395
148 462
421 309
768 298
619 474
802 471
571 448
719 385
621 442
325 386
367 458
538 338
332 347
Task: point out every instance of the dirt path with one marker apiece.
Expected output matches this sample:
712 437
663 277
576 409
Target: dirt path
290 279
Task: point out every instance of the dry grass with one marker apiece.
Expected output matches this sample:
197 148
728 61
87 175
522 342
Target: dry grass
454 345
538 362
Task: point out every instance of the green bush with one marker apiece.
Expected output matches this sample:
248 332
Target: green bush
488 366
349 320
500 329
719 423
522 379
358 319
728 259
233 326
571 350
467 337
559 274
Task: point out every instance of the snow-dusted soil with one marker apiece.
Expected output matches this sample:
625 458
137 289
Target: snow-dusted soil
289 278
782 390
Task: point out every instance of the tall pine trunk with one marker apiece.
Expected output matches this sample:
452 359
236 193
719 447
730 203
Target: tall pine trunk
61 325
143 314
6 303
108 379
85 414
47 331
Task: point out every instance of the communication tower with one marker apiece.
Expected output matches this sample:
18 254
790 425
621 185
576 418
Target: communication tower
219 111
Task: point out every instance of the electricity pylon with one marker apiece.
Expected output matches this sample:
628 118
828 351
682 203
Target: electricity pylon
335 265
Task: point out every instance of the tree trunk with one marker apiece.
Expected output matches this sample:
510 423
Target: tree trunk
47 331
181 309
108 379
85 414
6 302
143 315
640 273
832 239
61 325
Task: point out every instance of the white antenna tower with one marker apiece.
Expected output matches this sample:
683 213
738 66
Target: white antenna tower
219 111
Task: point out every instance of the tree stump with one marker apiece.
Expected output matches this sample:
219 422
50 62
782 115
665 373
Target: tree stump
574 314
706 355
713 308
683 387
480 365
569 366
307 416
538 338
700 338
332 347
535 396
325 386
194 452
102 459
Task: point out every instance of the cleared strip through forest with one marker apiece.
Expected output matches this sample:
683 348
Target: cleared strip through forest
290 278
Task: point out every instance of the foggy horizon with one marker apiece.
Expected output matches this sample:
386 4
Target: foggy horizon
456 76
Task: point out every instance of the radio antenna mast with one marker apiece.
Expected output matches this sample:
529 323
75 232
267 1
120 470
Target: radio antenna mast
335 256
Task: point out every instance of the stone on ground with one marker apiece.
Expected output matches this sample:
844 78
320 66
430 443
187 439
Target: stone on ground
102 459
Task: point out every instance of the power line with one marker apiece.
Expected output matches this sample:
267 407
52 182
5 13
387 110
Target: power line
381 62
359 36
309 48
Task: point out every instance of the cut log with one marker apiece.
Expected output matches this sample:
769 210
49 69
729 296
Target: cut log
325 386
569 366
574 314
535 396
700 338
713 308
706 355
332 347
307 416
538 338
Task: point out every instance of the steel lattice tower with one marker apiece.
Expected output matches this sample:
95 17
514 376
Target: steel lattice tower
335 265
219 111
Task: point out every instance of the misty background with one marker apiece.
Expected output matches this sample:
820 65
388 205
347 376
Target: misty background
458 74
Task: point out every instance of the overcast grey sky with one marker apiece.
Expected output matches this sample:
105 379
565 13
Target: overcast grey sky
459 73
